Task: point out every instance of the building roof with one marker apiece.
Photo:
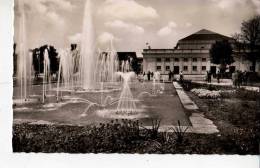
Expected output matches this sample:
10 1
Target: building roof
204 34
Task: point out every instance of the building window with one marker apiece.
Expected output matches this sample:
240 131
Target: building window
176 59
185 59
194 68
158 68
203 59
158 60
167 68
185 68
167 59
194 59
203 68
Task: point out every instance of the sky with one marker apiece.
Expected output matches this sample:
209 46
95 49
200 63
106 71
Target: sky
130 23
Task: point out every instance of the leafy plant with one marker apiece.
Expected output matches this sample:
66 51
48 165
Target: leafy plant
154 131
179 132
166 136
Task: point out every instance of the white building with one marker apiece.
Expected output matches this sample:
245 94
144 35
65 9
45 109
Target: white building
191 56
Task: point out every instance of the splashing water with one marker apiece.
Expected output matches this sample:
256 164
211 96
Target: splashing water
46 74
107 65
87 54
23 63
126 102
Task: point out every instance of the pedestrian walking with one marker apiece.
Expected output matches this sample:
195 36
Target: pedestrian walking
148 75
209 76
170 75
218 75
181 76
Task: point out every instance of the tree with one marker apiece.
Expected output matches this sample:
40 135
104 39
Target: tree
134 64
221 54
250 32
38 59
54 62
238 42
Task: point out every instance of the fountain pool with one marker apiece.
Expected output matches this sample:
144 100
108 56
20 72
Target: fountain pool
90 87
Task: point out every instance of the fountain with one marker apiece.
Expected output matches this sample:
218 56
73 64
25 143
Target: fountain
126 102
88 58
84 74
92 87
22 65
24 59
46 74
107 65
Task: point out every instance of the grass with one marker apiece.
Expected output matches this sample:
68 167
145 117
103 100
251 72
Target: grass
237 118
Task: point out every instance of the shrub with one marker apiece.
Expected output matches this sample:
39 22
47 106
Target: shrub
186 85
211 87
247 94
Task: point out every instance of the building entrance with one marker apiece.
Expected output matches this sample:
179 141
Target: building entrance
176 69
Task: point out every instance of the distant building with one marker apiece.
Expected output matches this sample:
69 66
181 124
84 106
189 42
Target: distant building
191 56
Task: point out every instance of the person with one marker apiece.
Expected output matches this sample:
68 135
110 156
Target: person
206 77
148 75
170 75
218 75
209 76
152 74
235 78
181 76
144 76
239 78
245 77
157 76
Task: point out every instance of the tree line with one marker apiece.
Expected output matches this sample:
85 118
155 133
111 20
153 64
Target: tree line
38 59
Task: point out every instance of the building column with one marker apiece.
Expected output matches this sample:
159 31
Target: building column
144 65
163 65
199 65
171 63
190 65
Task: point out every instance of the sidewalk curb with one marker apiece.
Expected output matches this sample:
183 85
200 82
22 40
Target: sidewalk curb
200 124
184 98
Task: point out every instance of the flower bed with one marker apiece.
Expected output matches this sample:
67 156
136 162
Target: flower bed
204 93
212 94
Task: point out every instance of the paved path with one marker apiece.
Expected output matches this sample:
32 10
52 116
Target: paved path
167 106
